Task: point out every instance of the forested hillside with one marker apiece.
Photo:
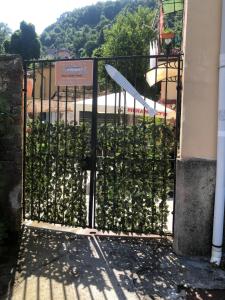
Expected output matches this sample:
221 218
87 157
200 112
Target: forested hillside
82 30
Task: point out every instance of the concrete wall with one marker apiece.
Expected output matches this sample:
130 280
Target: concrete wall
194 206
196 167
11 79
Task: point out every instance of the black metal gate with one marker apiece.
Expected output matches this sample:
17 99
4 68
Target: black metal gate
92 154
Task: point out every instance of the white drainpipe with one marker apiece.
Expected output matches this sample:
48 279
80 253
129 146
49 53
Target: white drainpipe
218 223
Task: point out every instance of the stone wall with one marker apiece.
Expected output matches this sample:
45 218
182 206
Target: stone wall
11 81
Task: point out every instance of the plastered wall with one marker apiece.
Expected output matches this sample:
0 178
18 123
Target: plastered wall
200 79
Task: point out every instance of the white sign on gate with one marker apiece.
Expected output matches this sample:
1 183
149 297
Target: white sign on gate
74 73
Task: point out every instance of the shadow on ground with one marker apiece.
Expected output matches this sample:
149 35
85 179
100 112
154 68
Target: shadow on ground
60 265
192 294
9 249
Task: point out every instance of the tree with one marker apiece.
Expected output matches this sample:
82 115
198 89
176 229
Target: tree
89 47
24 42
5 32
131 35
74 29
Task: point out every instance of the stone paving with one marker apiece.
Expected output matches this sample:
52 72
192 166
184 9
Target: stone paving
63 265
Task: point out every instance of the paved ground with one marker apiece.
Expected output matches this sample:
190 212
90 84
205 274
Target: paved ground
57 265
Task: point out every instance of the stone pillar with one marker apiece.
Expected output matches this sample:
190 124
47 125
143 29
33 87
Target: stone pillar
194 207
11 81
196 167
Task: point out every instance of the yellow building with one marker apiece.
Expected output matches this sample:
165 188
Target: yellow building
196 167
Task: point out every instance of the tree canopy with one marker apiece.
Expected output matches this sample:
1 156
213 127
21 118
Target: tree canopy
24 42
130 34
82 30
93 30
5 32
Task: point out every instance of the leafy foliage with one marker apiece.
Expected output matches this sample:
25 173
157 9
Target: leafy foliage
122 40
55 180
134 174
82 30
134 177
4 35
24 42
177 26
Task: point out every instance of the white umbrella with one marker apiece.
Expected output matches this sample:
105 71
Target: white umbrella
123 101
128 87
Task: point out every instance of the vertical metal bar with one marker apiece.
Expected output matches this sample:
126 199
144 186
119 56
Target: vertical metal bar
74 136
66 107
49 138
24 136
65 156
50 91
40 136
119 108
134 157
144 149
57 156
165 158
73 159
177 131
114 159
153 208
75 106
166 90
32 143
105 153
93 145
144 112
85 152
124 158
83 115
125 115
134 113
42 87
178 106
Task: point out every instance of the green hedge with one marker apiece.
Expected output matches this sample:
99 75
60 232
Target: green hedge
134 174
134 177
54 178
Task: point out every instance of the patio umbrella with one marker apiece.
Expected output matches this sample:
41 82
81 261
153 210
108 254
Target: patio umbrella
124 102
111 103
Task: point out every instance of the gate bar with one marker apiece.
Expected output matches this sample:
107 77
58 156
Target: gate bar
91 216
177 131
24 133
158 56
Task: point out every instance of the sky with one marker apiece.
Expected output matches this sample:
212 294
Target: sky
41 13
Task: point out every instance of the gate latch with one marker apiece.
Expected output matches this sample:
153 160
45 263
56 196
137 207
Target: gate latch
86 163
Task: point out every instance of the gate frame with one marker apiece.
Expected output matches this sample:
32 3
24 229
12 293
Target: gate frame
92 158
